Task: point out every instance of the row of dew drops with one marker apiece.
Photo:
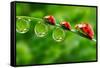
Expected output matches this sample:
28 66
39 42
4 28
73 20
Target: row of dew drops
40 29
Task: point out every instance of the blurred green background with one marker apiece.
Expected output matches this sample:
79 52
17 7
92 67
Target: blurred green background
31 49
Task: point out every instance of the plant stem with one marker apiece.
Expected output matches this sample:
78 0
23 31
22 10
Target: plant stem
29 17
72 30
81 34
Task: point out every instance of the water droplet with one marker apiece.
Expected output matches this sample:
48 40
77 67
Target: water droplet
40 29
22 25
58 34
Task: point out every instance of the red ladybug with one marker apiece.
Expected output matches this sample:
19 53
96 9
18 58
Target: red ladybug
50 19
86 28
66 25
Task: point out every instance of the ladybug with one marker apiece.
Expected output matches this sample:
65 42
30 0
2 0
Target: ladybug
86 28
66 25
50 19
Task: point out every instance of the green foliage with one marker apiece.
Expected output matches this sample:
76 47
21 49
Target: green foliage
34 42
24 55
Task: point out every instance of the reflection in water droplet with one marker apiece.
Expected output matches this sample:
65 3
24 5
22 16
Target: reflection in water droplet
58 34
22 25
40 29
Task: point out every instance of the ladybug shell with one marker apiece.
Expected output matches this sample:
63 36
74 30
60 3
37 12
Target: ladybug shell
50 19
86 29
66 25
